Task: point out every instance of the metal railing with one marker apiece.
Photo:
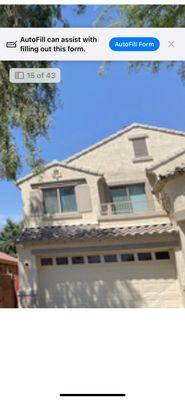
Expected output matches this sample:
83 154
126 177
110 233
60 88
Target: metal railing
123 207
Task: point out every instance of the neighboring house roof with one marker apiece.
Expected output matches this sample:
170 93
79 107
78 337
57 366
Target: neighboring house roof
56 163
6 259
81 232
162 178
166 160
121 132
176 170
166 168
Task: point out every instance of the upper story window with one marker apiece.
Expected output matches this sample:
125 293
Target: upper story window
60 200
140 147
129 199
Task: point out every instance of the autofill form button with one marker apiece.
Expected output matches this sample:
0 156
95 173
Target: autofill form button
134 44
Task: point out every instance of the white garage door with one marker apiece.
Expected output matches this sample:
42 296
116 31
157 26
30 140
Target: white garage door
114 280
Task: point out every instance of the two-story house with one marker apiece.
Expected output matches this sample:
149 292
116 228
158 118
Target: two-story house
95 234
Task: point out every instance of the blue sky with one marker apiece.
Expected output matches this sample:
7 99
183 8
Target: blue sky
96 106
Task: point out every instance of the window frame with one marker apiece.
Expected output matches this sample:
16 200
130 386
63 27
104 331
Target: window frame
43 201
120 187
127 254
109 261
162 252
129 199
49 264
59 203
146 259
134 140
90 257
63 263
126 187
78 257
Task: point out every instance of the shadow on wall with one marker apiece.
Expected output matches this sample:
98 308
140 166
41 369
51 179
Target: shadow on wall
36 207
111 287
98 294
36 212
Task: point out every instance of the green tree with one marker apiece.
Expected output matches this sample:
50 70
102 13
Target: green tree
8 235
27 106
152 16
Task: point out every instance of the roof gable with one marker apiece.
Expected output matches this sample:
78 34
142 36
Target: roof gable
125 130
63 165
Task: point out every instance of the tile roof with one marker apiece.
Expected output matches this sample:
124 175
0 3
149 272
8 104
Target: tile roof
166 159
177 170
81 232
6 259
162 178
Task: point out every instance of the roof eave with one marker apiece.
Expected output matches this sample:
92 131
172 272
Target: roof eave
60 164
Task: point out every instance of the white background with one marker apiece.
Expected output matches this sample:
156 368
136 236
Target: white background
47 352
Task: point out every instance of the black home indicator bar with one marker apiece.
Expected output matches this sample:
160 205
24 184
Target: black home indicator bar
92 394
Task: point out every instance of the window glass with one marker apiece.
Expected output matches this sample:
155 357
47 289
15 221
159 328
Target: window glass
61 261
50 201
118 193
162 255
46 261
129 199
138 198
144 256
94 259
140 147
127 257
119 197
78 260
59 200
110 258
68 199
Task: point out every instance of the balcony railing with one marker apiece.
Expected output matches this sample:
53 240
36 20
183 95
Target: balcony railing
124 207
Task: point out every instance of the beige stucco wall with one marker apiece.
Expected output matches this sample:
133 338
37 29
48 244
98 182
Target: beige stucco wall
115 157
115 160
171 191
28 275
120 152
169 161
67 174
175 188
27 269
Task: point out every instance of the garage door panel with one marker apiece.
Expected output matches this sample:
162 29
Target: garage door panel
91 294
141 284
142 270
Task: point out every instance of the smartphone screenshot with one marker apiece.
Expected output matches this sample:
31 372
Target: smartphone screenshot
92 200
